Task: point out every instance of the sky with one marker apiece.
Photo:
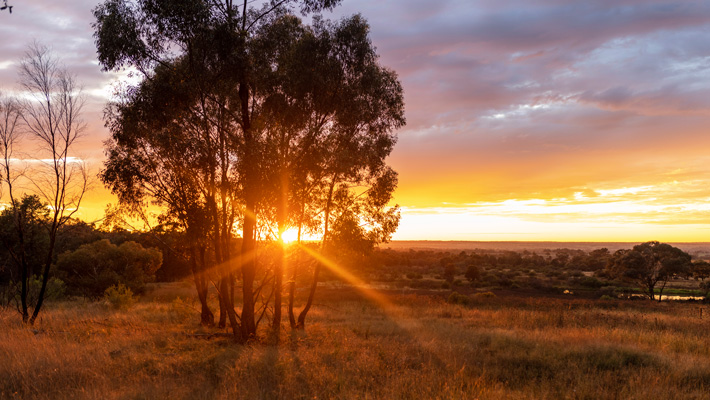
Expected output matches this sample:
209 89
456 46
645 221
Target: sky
526 120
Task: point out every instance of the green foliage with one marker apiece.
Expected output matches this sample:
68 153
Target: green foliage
458 298
10 294
119 297
92 268
589 282
30 217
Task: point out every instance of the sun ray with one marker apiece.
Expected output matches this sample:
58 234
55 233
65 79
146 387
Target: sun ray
356 282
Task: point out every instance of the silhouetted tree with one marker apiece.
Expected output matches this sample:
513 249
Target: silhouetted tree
350 177
214 40
24 243
649 264
473 274
700 270
52 118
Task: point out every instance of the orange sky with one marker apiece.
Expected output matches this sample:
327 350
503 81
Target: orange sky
527 120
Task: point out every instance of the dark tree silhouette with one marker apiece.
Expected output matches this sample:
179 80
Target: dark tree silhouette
50 117
649 264
251 118
213 39
328 107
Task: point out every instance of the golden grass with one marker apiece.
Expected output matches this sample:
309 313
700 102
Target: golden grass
418 347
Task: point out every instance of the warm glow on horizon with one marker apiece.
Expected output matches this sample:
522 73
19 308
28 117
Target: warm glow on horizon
595 130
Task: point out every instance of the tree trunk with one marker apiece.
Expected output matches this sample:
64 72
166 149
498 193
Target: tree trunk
248 274
660 293
198 275
223 296
45 275
278 287
301 324
249 225
23 293
292 286
294 273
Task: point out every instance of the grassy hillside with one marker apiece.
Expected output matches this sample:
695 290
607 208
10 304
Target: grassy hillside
376 346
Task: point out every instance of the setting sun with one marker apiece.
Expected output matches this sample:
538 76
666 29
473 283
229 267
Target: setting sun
290 236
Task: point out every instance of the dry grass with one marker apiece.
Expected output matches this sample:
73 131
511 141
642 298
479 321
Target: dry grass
414 347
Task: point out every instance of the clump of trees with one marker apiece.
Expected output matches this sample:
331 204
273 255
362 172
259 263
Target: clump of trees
598 272
249 123
94 267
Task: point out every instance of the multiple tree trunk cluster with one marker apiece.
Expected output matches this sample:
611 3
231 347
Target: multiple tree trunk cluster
249 123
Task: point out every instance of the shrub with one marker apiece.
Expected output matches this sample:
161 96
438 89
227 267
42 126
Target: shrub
609 291
94 267
119 296
589 281
458 298
10 294
484 295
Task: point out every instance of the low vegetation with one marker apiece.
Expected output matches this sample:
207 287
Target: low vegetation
402 346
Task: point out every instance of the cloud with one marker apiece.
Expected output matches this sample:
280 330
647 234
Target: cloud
517 99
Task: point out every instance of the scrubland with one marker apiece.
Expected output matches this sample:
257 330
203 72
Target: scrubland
376 345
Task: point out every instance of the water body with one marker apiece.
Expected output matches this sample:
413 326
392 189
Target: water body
671 297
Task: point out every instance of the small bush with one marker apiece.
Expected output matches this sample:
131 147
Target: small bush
458 298
181 309
588 281
119 296
484 295
608 291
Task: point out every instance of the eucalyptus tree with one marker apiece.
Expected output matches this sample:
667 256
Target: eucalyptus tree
167 149
330 112
213 38
650 264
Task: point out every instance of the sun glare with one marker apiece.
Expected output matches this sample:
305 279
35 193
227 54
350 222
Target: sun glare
290 236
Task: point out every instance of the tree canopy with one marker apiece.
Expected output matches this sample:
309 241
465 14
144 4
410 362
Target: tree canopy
649 264
248 118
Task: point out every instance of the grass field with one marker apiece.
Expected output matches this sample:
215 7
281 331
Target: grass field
396 346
